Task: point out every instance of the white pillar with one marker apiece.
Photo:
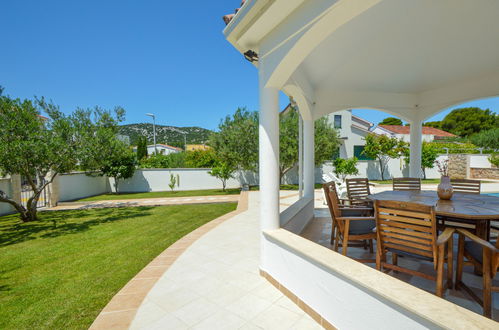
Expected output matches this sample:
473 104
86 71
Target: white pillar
269 158
300 155
416 145
308 158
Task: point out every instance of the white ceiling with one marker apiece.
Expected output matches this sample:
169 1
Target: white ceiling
432 42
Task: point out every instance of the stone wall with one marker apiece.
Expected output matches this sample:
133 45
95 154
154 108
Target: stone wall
484 173
458 166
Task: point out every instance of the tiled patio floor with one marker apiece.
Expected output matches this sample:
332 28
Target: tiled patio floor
215 284
319 231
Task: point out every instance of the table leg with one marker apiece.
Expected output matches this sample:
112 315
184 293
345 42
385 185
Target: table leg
482 229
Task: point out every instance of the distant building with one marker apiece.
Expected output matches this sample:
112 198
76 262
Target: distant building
430 134
163 149
352 130
196 147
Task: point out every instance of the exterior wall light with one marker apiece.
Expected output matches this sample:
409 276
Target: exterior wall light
251 56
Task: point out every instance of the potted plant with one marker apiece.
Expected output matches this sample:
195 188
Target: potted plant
444 189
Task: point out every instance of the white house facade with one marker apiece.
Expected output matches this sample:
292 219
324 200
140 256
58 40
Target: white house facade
162 149
352 131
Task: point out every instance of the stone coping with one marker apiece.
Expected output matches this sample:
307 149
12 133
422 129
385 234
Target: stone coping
418 302
120 311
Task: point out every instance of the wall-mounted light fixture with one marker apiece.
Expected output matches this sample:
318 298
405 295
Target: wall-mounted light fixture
251 56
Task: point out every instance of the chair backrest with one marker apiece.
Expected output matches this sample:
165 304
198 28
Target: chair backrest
332 199
406 184
466 186
358 188
407 227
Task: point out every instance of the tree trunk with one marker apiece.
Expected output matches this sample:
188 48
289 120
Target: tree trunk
224 183
424 173
116 185
382 170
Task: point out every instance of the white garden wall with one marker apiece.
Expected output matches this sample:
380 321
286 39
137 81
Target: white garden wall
158 179
79 185
6 187
480 161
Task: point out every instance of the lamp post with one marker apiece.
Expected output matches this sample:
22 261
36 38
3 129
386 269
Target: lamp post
153 130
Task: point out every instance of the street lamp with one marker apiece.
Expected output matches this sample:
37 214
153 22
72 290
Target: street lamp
153 130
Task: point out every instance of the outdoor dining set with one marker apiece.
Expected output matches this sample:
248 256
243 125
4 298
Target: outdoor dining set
408 222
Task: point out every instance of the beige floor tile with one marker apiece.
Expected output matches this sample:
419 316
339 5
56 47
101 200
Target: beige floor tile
276 317
196 311
174 300
306 323
169 322
220 321
248 306
147 314
289 305
267 292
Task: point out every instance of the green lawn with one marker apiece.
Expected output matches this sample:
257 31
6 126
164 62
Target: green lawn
162 194
59 272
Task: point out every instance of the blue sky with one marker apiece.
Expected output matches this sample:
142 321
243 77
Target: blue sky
165 57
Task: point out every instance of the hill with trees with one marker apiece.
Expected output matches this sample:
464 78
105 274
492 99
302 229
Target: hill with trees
165 134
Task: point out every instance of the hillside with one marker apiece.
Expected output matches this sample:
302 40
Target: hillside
165 134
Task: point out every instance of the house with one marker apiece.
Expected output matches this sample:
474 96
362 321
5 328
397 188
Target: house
163 149
430 134
352 130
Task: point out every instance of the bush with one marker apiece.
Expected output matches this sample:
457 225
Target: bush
173 160
494 159
487 139
344 167
200 159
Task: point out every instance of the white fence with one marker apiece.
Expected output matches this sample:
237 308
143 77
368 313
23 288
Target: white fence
6 187
158 179
79 185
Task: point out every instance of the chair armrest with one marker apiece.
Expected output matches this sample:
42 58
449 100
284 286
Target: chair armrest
483 243
445 236
355 208
356 218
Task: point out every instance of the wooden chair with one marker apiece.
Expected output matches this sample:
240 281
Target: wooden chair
351 223
358 190
462 186
484 256
466 186
406 184
410 229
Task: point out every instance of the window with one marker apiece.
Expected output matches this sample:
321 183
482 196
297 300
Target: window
357 152
337 121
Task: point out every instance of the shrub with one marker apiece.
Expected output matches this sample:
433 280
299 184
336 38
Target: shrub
174 160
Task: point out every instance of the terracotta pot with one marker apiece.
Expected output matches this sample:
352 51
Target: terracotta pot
444 189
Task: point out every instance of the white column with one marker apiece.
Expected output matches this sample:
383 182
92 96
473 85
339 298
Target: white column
269 158
416 145
300 155
308 158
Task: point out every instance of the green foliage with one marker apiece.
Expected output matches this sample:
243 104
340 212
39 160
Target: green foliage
174 181
40 149
200 159
173 160
468 121
429 154
119 166
236 142
344 167
434 124
494 159
487 139
142 148
456 147
382 148
288 141
391 121
223 171
327 141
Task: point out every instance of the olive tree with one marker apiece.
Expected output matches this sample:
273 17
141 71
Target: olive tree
39 148
383 148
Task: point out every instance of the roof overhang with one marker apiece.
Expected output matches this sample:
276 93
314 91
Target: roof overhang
411 59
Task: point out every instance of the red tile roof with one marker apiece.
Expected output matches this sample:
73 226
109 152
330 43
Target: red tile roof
399 129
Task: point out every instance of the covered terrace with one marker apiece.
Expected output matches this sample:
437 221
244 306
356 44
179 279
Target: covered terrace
411 59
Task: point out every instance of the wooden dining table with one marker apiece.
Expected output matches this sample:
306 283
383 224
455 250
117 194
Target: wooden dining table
475 209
